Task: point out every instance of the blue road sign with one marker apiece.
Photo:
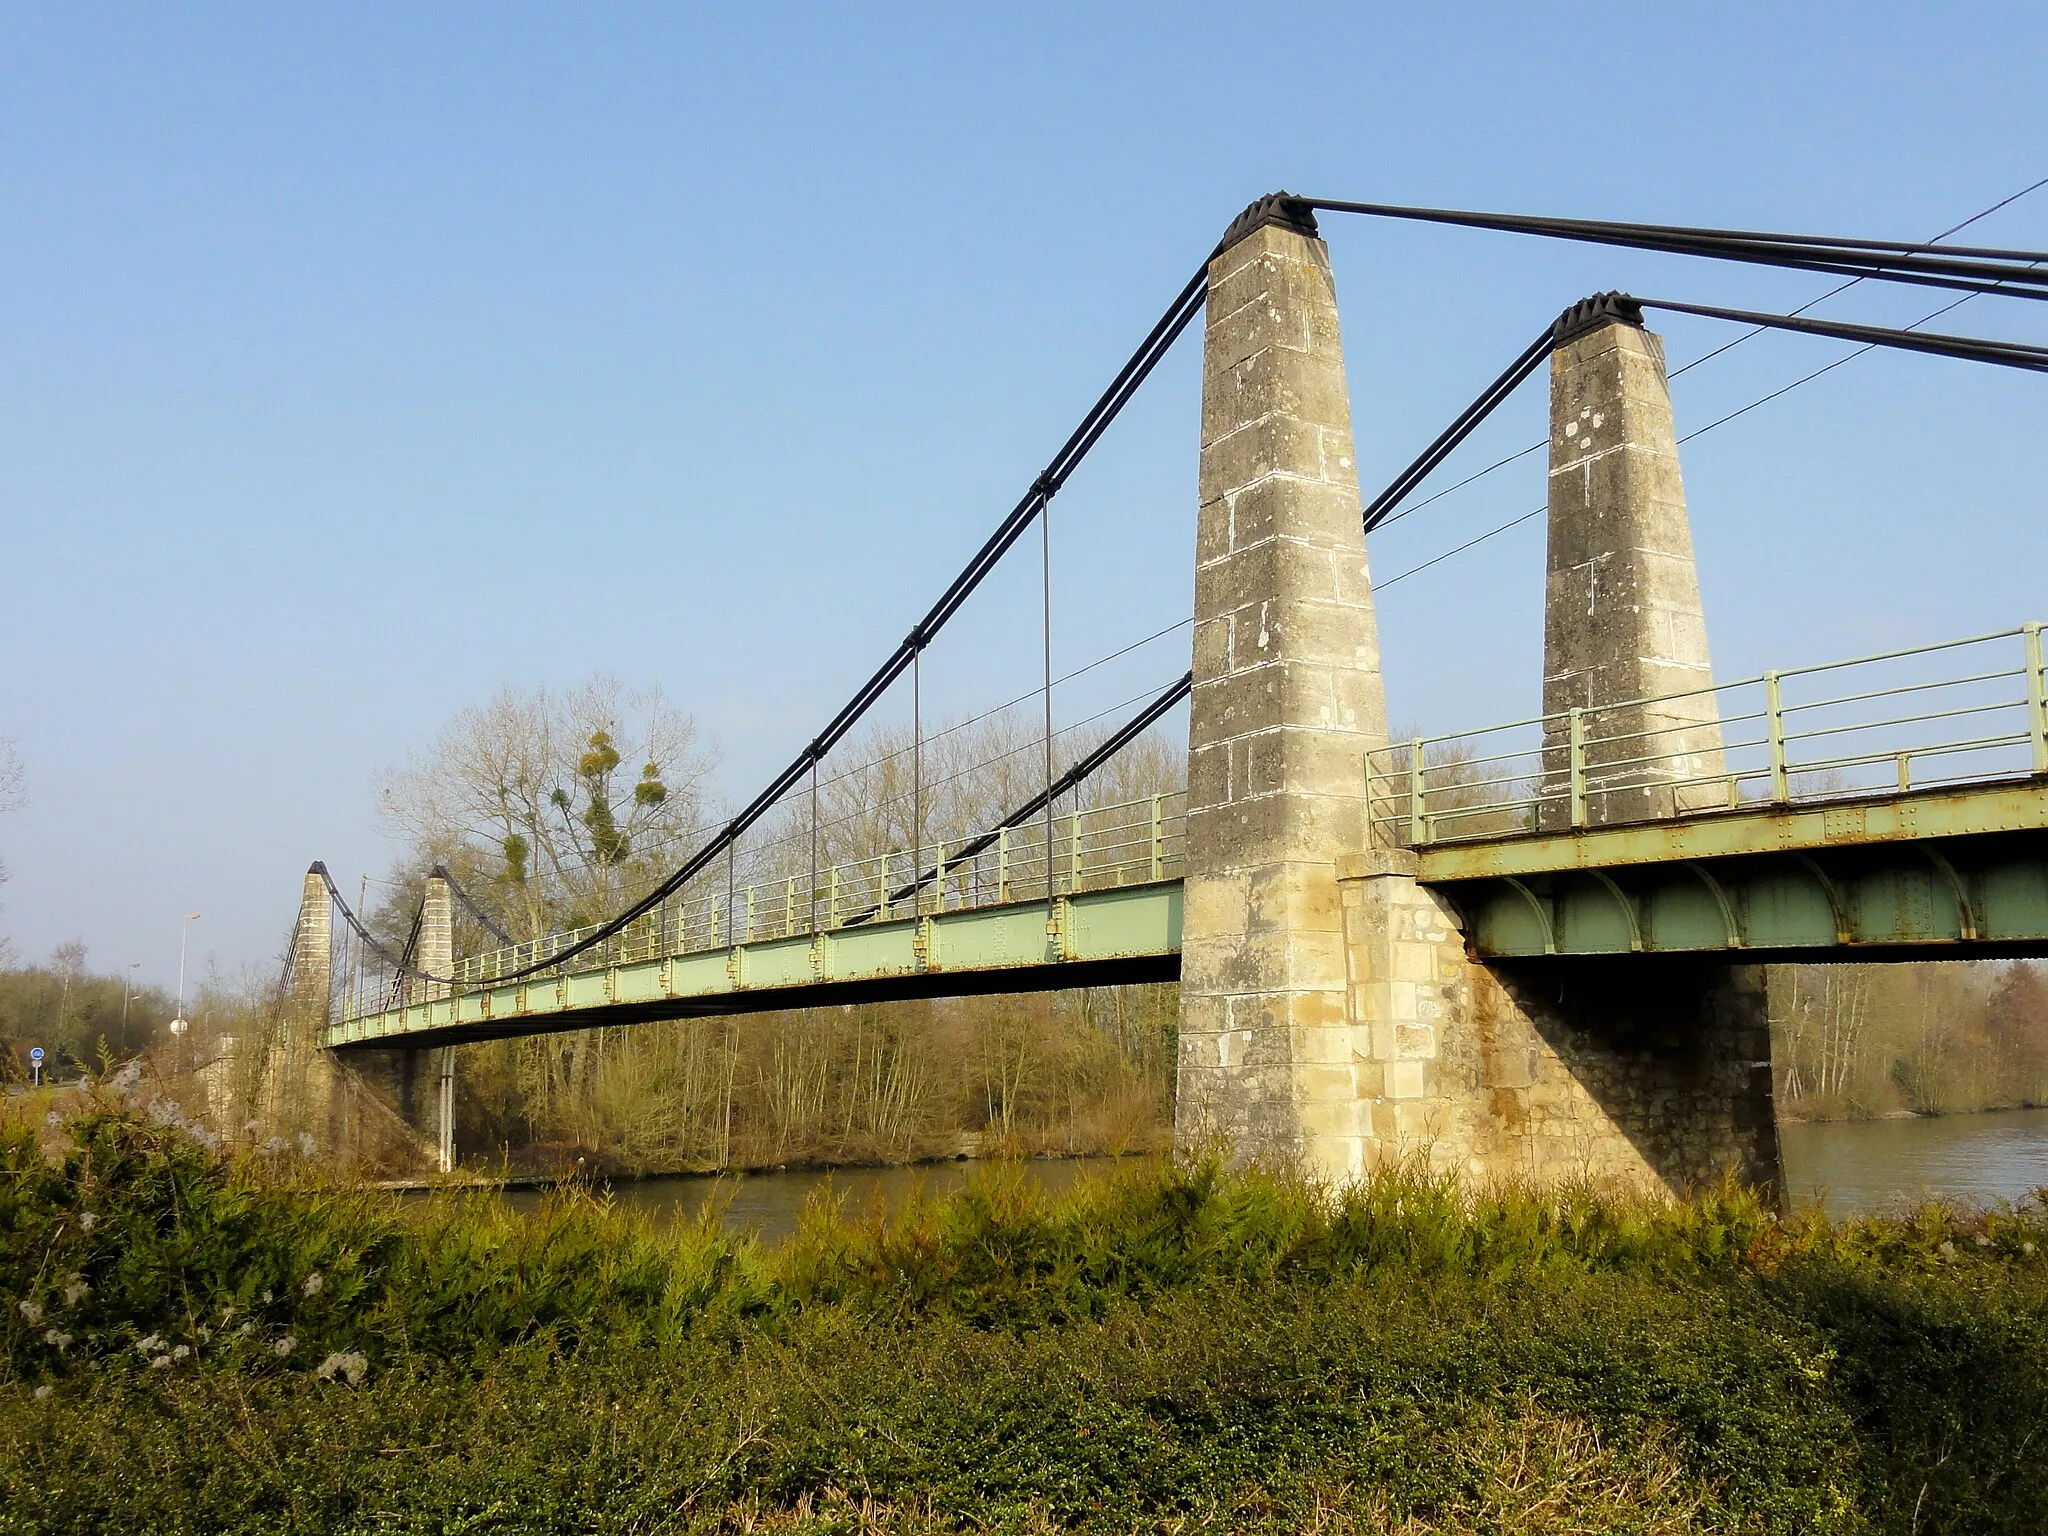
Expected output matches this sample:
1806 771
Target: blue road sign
36 1054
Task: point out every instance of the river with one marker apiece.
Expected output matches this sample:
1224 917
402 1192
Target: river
1855 1167
1862 1166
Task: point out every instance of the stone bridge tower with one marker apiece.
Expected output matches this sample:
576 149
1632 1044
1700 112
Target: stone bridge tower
1287 699
1331 1013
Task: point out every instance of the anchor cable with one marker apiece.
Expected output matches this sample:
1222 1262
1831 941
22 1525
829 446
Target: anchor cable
1975 269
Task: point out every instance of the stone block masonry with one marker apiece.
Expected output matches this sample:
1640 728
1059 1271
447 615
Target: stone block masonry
1647 1072
1622 618
1331 1015
1287 698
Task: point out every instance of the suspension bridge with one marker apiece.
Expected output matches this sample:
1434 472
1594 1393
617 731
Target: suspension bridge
1532 947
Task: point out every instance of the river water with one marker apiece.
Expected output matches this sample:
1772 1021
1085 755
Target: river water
1853 1167
1880 1165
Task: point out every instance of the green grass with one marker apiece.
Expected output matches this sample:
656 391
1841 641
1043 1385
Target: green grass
1177 1348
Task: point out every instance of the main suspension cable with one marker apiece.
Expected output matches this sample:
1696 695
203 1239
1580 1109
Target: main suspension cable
1975 269
1158 341
1977 349
1408 510
1122 737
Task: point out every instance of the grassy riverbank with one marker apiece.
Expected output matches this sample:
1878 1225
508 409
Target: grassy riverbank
194 1345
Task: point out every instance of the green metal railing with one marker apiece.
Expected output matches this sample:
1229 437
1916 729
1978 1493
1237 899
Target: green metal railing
1964 711
1134 842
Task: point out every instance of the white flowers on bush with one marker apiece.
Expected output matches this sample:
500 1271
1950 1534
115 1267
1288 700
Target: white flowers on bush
32 1311
44 1391
283 1346
315 1282
76 1290
351 1367
57 1339
151 1344
88 1219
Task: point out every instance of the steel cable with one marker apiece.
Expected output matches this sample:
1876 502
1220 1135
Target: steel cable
1976 269
1158 341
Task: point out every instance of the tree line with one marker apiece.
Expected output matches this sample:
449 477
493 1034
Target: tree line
1858 1041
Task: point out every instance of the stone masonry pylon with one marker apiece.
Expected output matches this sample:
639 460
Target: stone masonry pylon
1622 614
1287 699
435 954
298 1080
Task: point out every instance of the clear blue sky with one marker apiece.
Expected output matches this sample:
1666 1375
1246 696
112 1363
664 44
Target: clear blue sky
356 360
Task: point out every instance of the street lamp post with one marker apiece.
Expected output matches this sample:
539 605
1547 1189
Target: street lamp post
127 987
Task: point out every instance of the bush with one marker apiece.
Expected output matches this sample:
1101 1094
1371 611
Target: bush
1179 1348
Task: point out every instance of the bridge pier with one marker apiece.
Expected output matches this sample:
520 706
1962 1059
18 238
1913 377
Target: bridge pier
389 1114
1645 1071
1332 1014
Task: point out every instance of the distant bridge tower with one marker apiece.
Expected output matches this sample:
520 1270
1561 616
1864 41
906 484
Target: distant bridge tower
435 954
298 1076
1331 1013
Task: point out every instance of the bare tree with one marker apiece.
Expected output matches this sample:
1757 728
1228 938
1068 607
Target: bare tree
889 793
565 804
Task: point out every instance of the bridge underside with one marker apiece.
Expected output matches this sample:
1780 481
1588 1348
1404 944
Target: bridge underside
1949 875
1096 938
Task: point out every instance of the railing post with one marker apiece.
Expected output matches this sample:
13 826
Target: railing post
939 881
1074 856
1576 766
1418 820
789 908
1158 849
750 914
832 897
1774 718
882 885
713 936
2037 697
1003 864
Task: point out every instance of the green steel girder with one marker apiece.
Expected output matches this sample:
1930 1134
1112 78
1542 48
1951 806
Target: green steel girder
2011 805
1130 933
1949 875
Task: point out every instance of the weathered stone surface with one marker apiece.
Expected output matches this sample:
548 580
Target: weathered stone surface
1330 1014
1287 698
1622 613
298 1081
1646 1072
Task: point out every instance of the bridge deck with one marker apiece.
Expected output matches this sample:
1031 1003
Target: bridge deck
1093 938
1948 874
1593 832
